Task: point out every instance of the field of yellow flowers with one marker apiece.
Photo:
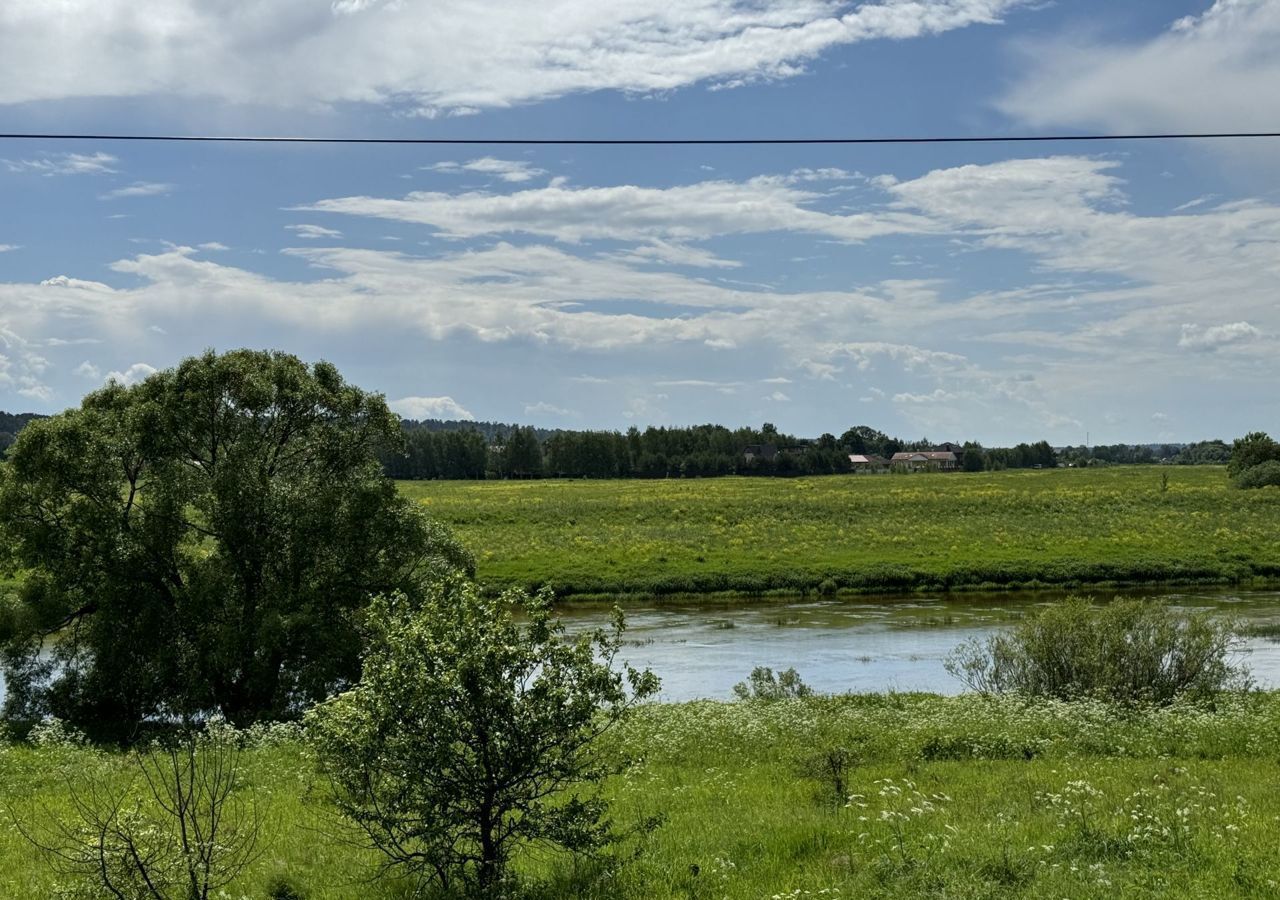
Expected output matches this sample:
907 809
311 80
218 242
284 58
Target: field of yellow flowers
1063 528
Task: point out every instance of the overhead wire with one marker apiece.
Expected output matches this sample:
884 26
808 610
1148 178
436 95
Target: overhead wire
654 141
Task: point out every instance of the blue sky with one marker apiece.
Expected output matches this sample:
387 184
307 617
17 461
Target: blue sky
995 292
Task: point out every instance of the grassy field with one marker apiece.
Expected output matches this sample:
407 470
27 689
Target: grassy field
956 797
1063 527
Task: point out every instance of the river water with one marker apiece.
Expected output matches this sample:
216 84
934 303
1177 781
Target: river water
702 649
864 644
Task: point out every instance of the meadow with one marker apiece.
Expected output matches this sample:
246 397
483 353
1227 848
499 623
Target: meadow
1066 528
958 797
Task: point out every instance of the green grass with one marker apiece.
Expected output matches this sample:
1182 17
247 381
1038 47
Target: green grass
1063 528
955 797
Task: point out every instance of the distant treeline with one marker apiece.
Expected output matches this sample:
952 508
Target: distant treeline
475 450
10 425
449 449
1214 453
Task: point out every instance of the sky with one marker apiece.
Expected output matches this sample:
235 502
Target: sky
1110 292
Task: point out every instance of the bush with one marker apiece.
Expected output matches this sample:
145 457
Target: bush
471 734
764 685
183 828
1252 450
281 888
1262 475
1128 651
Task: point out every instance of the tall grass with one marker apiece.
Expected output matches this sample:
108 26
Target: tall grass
962 797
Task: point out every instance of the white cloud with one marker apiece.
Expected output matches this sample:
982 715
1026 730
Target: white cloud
1198 201
429 408
21 367
63 163
542 408
458 55
822 371
88 370
138 189
937 396
778 397
630 213
9 248
910 357
212 246
1194 337
663 252
313 232
506 169
132 375
1212 72
1104 300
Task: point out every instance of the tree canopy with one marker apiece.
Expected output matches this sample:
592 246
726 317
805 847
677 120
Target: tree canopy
206 540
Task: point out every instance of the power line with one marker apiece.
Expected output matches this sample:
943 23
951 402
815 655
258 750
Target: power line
946 139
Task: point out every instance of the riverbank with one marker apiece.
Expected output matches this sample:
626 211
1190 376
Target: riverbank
959 796
1014 530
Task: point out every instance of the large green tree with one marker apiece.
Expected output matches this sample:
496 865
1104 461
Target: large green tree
206 540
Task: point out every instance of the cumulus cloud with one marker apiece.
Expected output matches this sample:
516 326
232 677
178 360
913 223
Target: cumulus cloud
429 408
132 375
1105 299
505 169
433 55
1195 337
1203 73
63 163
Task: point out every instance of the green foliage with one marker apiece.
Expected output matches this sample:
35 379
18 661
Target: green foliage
1253 449
521 456
281 888
471 734
764 685
181 828
205 540
928 532
1264 474
1130 651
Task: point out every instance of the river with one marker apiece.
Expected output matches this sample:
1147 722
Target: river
702 649
864 644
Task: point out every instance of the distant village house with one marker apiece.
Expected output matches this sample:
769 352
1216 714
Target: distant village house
759 451
925 461
868 462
